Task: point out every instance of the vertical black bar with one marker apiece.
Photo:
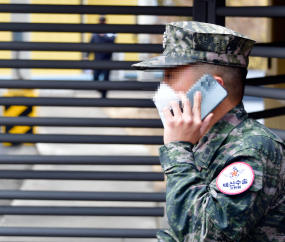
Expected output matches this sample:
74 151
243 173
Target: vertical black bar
212 17
82 34
200 11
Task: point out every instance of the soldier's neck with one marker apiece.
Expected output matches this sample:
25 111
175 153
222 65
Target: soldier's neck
219 112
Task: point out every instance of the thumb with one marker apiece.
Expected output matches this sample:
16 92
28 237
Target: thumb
206 123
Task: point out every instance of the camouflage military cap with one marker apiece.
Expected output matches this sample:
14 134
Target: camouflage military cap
191 42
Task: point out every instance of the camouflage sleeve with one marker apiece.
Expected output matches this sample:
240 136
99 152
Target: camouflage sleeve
197 210
186 197
245 210
166 235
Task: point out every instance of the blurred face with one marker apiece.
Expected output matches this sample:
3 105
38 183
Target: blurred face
181 79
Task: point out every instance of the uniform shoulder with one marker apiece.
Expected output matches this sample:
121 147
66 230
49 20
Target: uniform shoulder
251 127
257 136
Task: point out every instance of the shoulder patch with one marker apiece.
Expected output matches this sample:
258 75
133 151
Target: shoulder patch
235 178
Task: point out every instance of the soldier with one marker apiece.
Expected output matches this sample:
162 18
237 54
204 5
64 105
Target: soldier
225 174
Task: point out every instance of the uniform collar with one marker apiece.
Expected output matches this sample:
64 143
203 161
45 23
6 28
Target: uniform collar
211 142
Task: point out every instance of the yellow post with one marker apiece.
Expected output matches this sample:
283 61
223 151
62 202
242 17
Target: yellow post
276 67
17 111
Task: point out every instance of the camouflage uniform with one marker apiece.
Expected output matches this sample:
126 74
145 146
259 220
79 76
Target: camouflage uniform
196 209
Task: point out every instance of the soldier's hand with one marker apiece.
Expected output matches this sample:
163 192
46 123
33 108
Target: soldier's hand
186 126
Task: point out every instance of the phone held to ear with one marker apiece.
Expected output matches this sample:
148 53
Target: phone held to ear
212 94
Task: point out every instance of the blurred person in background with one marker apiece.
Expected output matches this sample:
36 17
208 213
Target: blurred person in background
99 56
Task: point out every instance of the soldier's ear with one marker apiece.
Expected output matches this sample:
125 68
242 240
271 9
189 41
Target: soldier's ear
219 80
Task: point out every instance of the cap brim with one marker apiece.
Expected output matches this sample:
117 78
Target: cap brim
162 62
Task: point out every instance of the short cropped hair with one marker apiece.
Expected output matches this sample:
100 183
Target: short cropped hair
234 78
102 19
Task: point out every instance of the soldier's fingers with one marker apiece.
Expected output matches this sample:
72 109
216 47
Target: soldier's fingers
206 123
186 106
197 106
175 108
167 114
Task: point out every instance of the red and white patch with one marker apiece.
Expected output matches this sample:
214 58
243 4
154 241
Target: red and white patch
235 178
